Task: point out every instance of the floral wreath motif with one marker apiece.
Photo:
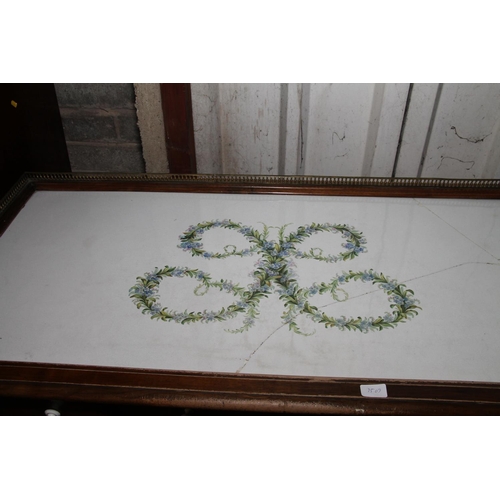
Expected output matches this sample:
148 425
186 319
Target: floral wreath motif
274 273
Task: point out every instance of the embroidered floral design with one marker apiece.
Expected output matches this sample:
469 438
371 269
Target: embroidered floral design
274 272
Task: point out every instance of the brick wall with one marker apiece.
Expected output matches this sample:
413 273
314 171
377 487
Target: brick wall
100 125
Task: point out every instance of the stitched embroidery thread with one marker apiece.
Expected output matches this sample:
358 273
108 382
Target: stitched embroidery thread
274 273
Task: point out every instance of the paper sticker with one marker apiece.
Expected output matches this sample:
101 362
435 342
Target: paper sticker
374 391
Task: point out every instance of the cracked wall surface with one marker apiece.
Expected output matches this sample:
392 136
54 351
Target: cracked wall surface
385 129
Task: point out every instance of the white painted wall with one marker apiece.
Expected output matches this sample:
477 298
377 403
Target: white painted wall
464 139
419 116
236 127
450 130
351 129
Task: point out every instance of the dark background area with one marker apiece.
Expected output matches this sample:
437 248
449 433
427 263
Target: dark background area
31 133
67 127
37 407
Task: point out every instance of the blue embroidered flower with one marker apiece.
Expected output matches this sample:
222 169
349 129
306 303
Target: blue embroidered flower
397 299
208 316
208 255
367 276
179 317
365 324
317 316
188 245
153 277
155 308
200 275
388 286
147 292
178 273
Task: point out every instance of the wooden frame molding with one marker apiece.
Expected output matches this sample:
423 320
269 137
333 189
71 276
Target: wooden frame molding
179 131
274 394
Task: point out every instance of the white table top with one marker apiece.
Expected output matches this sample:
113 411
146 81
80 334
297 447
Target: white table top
69 265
